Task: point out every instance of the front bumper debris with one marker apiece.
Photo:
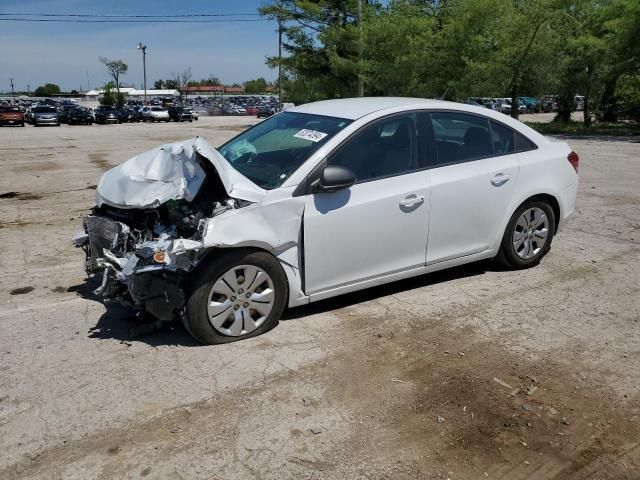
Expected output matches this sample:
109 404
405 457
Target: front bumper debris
148 276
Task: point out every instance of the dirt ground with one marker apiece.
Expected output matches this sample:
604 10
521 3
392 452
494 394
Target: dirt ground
470 373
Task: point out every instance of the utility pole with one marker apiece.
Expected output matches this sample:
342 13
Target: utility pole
279 62
28 90
360 49
144 68
13 94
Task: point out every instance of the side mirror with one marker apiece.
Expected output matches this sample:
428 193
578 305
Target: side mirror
334 178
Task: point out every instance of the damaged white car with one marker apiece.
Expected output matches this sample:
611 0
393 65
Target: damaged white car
320 200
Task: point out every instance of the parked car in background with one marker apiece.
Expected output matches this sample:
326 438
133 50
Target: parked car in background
128 114
383 189
107 114
63 112
549 103
530 103
154 114
194 113
265 111
180 114
505 106
45 115
79 116
11 115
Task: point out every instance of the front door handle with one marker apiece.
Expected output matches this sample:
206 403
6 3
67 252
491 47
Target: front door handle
500 179
412 200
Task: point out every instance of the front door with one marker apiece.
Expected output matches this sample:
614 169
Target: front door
379 226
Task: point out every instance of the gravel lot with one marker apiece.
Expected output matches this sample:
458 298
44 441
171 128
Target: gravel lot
465 374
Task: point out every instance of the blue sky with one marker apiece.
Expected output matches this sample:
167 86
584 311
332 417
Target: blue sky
67 53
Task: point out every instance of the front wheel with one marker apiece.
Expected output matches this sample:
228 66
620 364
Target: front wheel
528 235
240 295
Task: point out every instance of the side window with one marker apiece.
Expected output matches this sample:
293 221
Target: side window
502 138
384 149
460 137
523 144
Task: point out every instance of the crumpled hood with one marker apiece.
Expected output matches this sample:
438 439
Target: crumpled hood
170 172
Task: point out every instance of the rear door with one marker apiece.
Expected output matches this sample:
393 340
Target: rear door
473 178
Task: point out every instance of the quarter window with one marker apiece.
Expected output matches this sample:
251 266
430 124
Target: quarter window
502 138
523 144
384 149
460 137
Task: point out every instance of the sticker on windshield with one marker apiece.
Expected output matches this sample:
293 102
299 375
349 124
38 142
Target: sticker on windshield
310 135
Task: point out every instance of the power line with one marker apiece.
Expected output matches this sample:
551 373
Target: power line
70 20
98 15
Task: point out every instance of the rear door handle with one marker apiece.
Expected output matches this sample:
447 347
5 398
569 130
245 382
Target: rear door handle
412 200
500 179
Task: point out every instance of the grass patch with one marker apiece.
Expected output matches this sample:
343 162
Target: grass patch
578 128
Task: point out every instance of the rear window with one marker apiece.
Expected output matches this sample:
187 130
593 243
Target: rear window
45 110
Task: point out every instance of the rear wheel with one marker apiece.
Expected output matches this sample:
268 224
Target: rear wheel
240 295
528 235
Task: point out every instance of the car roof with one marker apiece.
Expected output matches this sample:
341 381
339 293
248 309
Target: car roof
354 108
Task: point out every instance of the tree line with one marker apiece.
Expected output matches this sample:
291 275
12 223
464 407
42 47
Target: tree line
454 49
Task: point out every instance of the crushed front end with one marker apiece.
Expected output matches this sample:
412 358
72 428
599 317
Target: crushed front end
143 255
146 232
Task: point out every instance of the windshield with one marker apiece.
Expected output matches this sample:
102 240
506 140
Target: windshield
270 152
157 109
45 110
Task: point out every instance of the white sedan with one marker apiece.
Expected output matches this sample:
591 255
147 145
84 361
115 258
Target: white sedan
320 200
154 114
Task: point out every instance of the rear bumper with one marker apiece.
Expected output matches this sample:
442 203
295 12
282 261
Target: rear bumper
567 204
47 121
12 121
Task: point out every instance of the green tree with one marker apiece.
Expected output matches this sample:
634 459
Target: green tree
321 40
108 95
47 90
158 84
258 85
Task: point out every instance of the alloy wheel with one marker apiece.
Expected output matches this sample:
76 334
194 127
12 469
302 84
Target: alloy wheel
531 232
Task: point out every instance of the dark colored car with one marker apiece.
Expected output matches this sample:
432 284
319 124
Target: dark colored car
11 116
77 116
129 115
265 112
107 114
180 114
63 112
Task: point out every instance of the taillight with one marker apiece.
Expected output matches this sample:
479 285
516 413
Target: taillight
574 160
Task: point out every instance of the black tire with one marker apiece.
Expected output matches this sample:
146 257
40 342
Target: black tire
197 321
507 255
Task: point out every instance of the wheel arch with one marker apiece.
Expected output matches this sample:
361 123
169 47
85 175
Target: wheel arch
211 254
547 198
